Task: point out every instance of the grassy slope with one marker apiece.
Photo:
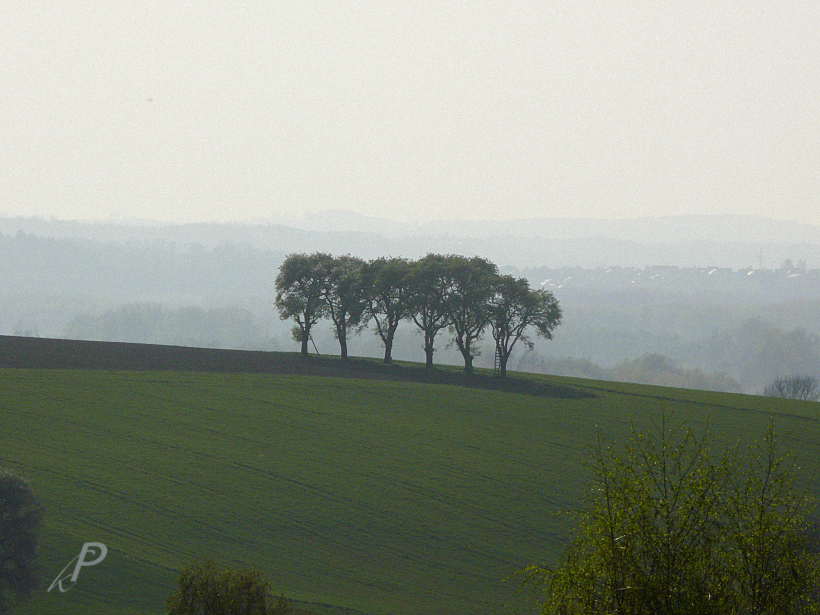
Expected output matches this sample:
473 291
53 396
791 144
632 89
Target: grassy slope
379 496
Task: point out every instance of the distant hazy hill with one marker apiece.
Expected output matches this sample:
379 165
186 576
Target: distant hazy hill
669 229
693 240
652 231
687 241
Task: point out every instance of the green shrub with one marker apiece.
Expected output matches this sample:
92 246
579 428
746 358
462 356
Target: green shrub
207 589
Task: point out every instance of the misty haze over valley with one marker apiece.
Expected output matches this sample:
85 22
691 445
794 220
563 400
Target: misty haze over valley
715 302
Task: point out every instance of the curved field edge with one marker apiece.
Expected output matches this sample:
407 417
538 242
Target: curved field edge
375 495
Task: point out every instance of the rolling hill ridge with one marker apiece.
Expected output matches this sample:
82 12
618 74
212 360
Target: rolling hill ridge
373 493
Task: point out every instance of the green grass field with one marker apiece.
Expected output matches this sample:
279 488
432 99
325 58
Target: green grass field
374 496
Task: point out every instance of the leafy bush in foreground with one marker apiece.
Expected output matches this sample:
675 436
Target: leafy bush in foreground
668 530
207 589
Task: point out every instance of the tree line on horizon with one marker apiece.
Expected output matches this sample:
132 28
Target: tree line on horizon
465 296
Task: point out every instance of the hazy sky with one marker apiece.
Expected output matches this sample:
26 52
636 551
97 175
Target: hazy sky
201 110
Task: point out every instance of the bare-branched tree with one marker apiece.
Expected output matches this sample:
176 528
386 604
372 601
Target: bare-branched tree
794 387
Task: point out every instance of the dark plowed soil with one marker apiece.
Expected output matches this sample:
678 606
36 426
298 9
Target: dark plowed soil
44 353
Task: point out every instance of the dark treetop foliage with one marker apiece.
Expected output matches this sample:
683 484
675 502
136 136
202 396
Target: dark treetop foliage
468 286
208 589
670 530
343 294
389 294
427 303
514 307
299 287
21 517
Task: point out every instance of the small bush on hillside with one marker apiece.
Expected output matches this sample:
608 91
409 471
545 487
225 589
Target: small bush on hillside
205 588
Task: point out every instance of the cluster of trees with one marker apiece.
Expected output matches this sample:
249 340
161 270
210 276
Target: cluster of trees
464 295
671 530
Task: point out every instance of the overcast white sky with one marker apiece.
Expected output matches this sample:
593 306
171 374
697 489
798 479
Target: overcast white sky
203 110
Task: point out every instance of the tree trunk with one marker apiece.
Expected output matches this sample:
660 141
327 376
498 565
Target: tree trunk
388 342
428 353
502 365
343 344
466 352
305 340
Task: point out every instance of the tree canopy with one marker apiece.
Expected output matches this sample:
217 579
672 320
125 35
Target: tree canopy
468 287
21 516
388 301
668 530
343 294
427 300
299 288
464 295
513 308
207 589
